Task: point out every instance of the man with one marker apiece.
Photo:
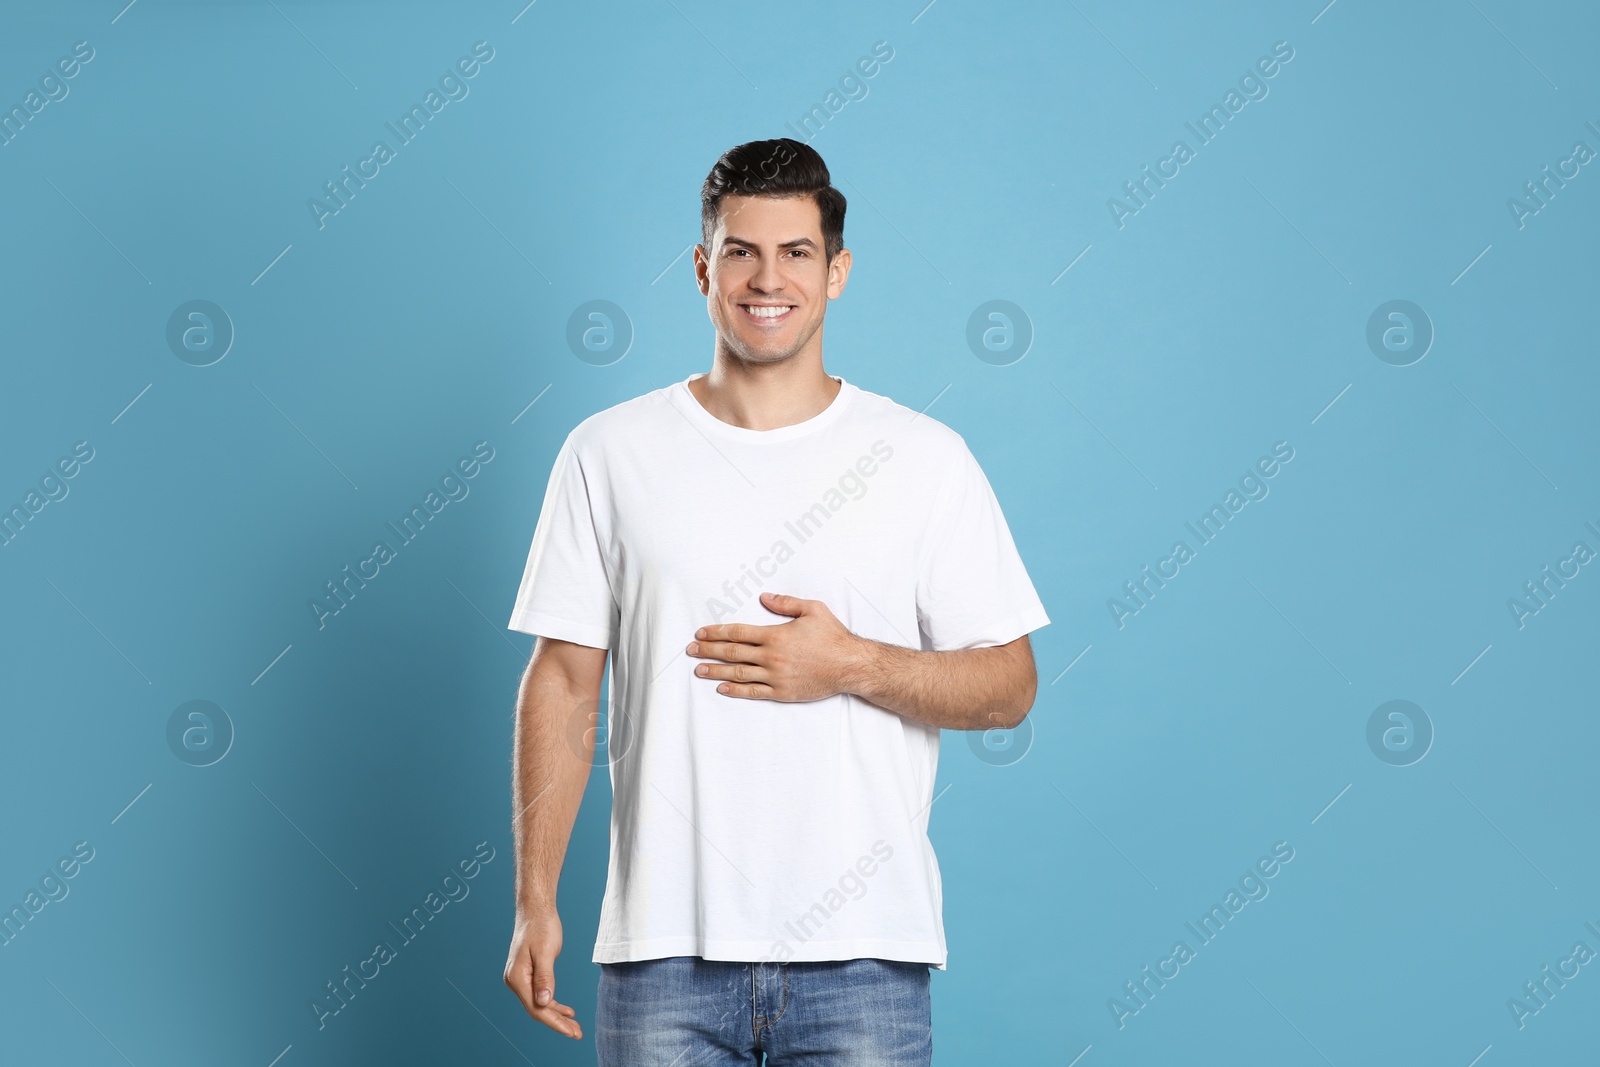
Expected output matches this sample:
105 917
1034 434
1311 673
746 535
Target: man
800 583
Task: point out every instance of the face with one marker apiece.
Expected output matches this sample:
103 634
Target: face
766 282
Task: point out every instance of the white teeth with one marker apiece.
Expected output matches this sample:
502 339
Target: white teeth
765 312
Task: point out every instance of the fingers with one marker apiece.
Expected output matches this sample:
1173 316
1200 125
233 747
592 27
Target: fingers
739 679
754 691
519 977
733 672
544 979
730 651
554 1014
559 1017
787 605
531 976
740 632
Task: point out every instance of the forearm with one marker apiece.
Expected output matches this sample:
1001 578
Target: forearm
962 689
551 758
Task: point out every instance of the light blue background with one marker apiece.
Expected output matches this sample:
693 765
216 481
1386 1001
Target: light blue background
1228 314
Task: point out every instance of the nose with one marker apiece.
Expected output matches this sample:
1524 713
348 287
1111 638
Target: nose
767 277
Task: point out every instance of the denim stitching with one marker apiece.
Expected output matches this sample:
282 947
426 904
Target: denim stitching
759 1023
755 1021
783 995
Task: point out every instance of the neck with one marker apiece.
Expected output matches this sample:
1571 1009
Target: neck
764 396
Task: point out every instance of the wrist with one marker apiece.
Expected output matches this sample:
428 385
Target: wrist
534 899
859 667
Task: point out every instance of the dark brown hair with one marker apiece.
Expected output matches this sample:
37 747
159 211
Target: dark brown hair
780 167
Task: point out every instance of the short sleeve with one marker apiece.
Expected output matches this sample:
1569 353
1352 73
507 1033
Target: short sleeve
972 588
565 592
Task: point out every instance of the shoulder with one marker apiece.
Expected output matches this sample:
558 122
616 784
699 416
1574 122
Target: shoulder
629 420
915 433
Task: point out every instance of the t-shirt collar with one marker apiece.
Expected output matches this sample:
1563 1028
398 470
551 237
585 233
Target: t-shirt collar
685 401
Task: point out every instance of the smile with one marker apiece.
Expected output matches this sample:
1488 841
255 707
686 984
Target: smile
767 315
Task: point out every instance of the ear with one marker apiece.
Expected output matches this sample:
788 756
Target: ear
702 270
838 273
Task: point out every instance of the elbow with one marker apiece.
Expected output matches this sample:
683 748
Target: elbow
1015 687
1017 713
1024 685
1019 708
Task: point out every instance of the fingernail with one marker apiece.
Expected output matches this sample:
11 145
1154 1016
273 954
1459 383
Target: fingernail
543 997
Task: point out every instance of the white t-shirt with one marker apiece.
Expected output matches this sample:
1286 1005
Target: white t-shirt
760 829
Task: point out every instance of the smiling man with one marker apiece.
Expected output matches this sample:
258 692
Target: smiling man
799 584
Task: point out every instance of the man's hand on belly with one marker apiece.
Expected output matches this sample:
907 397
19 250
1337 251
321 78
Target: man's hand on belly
814 656
809 658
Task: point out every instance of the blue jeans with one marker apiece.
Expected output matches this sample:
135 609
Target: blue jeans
684 1011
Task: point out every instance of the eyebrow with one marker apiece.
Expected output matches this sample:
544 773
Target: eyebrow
798 242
